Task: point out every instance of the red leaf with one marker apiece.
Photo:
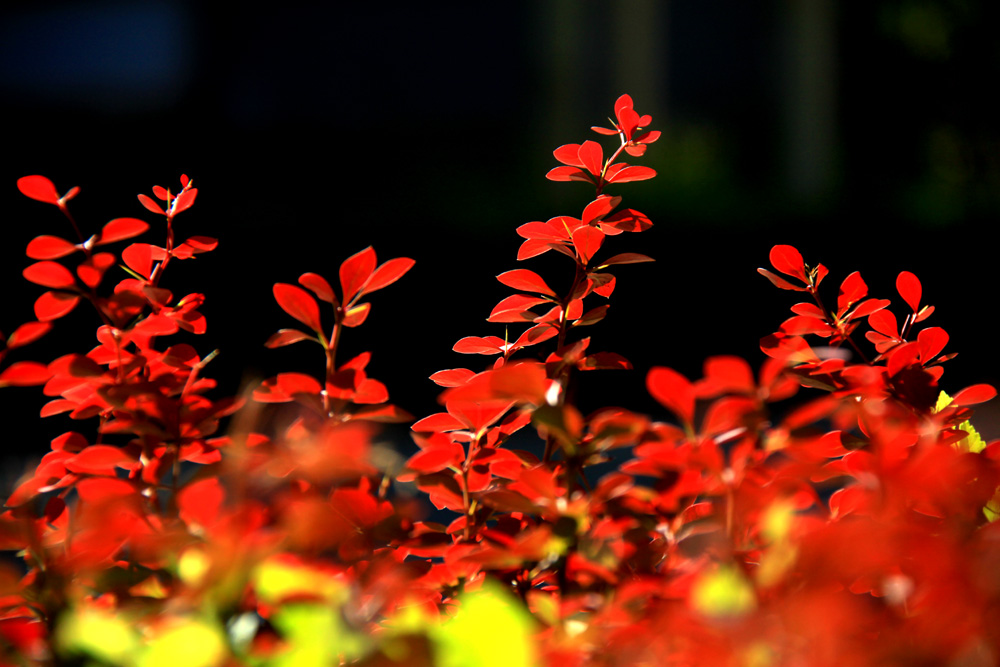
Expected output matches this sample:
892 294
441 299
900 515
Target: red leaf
161 192
120 229
25 374
50 274
568 174
599 208
356 316
355 272
569 154
726 373
536 334
38 188
631 173
437 458
92 270
977 393
388 273
139 258
287 337
184 201
587 241
852 290
780 282
528 281
515 308
151 205
910 289
299 304
99 460
438 423
884 322
627 258
53 305
319 286
27 333
629 220
931 341
592 157
674 391
285 386
789 261
49 247
478 345
453 377
199 502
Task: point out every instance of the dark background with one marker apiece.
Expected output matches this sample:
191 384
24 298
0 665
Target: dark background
859 132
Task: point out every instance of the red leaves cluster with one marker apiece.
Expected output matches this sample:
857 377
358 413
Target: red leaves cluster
853 527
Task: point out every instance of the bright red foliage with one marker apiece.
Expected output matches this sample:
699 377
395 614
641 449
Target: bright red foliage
854 527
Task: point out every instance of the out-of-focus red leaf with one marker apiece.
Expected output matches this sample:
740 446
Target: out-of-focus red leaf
49 247
908 286
139 258
285 386
674 391
631 173
24 374
388 273
299 304
161 192
319 286
27 333
91 270
355 272
38 188
200 501
627 258
50 274
977 393
151 205
788 260
120 229
286 337
53 305
587 241
604 361
452 377
528 281
725 374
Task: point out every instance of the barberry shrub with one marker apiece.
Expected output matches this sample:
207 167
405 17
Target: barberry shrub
836 508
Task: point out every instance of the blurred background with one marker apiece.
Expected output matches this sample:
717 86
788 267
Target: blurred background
865 134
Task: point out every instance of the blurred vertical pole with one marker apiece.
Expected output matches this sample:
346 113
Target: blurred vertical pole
639 58
559 40
809 97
